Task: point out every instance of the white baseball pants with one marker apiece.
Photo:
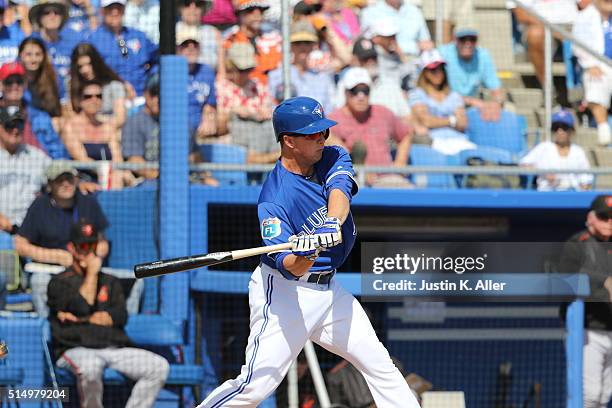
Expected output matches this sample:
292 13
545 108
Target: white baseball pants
597 368
148 369
284 314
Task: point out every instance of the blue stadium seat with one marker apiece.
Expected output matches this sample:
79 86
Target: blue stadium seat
508 133
421 155
224 153
492 154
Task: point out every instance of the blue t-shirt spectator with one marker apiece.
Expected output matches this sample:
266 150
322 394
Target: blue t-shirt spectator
47 137
200 91
130 54
10 38
466 77
441 109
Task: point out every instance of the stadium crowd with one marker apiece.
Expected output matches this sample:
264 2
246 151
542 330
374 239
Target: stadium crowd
80 81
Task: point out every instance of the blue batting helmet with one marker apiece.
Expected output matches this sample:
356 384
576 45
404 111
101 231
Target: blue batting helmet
301 115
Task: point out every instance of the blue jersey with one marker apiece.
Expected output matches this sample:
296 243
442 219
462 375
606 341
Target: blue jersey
10 38
131 61
78 20
200 91
291 204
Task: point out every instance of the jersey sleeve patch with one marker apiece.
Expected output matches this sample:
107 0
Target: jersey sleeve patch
270 228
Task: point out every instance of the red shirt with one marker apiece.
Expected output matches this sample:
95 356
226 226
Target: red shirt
376 132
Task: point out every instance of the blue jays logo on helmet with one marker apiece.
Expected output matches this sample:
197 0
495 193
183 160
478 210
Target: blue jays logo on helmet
300 115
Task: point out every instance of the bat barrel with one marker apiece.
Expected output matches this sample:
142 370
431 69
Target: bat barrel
163 267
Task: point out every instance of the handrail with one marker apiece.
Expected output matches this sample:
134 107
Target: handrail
263 168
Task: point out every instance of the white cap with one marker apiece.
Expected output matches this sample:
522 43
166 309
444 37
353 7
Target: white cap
430 59
384 26
355 76
106 3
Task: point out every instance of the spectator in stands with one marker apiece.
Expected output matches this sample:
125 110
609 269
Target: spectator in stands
126 50
140 138
48 18
87 316
589 252
16 17
455 13
593 26
44 234
471 68
305 80
267 45
438 108
393 63
221 15
383 91
22 169
561 153
89 136
333 53
201 87
371 128
342 20
39 129
412 33
87 65
209 38
143 15
562 12
82 16
245 107
42 84
10 36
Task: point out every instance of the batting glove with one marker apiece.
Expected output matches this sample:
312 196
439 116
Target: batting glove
306 246
329 234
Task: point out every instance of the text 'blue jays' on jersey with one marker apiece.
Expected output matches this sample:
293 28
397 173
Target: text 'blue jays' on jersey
291 204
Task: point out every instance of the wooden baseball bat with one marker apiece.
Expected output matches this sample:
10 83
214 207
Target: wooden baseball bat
166 266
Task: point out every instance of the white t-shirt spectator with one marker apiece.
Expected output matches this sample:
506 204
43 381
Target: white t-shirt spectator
21 177
546 156
555 11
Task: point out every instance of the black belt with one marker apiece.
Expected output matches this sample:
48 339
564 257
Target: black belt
320 278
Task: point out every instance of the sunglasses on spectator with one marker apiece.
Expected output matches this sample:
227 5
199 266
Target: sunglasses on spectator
91 96
16 80
65 177
468 38
51 10
14 124
603 217
86 247
122 47
365 90
561 126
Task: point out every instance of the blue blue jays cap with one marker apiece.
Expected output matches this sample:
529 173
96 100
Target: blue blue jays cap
300 115
563 116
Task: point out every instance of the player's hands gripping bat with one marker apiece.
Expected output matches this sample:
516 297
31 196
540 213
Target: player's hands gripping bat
330 233
305 245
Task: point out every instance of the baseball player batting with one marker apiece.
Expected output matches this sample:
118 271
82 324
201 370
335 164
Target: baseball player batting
292 294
